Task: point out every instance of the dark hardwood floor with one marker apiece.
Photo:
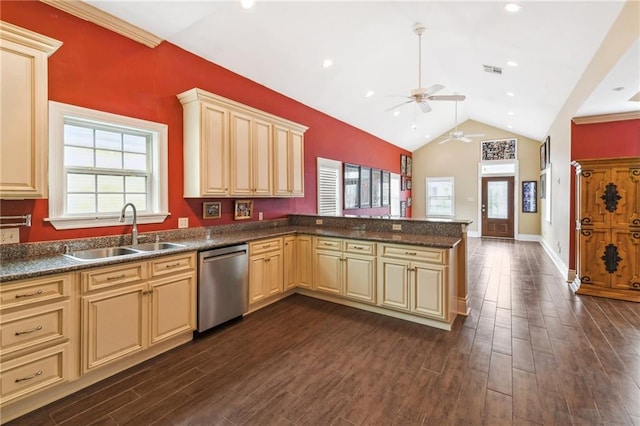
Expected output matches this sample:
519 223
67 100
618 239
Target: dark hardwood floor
531 352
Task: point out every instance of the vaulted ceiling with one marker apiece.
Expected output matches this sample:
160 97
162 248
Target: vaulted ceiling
283 45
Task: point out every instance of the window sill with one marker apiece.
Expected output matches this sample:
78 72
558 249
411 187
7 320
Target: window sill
97 222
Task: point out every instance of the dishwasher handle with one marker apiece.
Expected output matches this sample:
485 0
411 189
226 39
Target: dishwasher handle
214 258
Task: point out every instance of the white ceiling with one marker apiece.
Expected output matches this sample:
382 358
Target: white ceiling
282 45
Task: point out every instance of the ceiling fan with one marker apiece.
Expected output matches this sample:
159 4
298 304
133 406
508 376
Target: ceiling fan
421 95
458 135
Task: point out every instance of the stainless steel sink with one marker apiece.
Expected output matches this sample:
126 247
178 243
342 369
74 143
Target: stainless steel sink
156 246
101 253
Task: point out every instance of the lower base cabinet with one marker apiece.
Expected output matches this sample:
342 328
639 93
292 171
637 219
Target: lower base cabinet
304 261
266 278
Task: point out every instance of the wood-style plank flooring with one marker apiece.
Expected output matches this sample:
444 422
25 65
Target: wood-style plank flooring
531 352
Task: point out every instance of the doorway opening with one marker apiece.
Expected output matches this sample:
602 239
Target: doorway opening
497 199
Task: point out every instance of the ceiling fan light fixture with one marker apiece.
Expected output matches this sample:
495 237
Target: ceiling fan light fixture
369 93
327 63
512 7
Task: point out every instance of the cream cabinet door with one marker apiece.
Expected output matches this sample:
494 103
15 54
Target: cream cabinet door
327 271
214 154
427 290
274 277
304 253
360 277
288 162
296 164
262 150
173 306
393 283
24 118
257 276
115 325
289 263
241 155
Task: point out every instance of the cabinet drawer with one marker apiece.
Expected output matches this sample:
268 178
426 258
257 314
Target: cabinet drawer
31 327
414 253
172 264
265 245
123 273
362 247
322 243
31 373
29 292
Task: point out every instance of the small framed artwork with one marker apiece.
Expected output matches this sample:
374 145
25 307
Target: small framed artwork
543 186
365 187
351 186
403 164
211 210
408 184
529 196
376 188
243 210
386 188
543 157
408 201
409 166
403 183
403 209
500 149
547 143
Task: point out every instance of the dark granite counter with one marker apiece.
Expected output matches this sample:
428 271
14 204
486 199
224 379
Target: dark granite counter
27 265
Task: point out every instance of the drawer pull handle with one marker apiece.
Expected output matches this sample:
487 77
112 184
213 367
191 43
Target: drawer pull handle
33 330
266 245
411 253
268 259
328 244
35 293
116 277
147 292
172 265
358 247
33 376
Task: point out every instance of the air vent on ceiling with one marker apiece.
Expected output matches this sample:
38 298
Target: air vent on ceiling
492 70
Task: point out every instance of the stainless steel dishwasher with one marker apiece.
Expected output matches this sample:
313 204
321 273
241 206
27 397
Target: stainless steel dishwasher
223 285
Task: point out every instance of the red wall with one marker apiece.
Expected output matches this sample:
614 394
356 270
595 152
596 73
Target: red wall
600 140
99 69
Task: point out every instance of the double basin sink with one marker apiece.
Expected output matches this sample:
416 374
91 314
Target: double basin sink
109 252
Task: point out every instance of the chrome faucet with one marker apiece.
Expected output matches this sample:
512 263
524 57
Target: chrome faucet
134 229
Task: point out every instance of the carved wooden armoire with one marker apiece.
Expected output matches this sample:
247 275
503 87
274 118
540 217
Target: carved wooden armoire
608 227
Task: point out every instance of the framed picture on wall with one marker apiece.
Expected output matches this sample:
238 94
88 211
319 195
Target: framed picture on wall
351 186
408 184
365 187
403 183
543 157
529 196
403 209
409 166
386 188
243 209
543 186
376 188
547 143
403 164
211 210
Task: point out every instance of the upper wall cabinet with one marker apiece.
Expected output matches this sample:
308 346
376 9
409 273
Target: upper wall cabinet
233 150
23 122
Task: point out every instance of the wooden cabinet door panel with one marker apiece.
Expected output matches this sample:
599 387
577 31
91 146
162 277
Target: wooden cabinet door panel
262 161
627 273
627 188
360 278
115 325
304 254
289 263
393 285
281 161
241 158
172 306
213 155
296 164
592 244
593 185
327 271
427 290
257 276
274 278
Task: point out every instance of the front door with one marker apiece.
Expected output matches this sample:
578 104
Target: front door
497 207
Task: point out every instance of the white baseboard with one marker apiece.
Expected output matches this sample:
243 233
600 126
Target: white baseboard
528 237
473 234
562 268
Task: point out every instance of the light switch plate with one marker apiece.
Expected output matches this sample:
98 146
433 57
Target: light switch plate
9 236
396 227
183 222
260 216
319 222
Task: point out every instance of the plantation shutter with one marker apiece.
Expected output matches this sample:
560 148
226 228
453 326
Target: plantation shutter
329 191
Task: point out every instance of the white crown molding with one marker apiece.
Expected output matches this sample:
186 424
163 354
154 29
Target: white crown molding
99 17
605 118
28 38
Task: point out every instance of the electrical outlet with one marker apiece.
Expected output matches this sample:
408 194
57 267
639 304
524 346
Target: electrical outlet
319 221
9 236
396 227
260 216
183 222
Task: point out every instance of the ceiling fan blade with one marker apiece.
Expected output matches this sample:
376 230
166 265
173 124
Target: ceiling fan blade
465 139
433 89
399 105
444 140
397 96
424 106
447 97
475 135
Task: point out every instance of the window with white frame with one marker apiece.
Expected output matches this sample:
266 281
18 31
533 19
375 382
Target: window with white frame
440 197
329 187
100 161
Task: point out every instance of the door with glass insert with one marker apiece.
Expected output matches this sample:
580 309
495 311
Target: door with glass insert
497 207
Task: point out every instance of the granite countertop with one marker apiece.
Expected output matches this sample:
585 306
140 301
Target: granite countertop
16 269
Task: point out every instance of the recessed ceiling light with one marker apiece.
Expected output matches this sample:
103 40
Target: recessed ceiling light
512 7
370 93
327 63
246 4
397 113
512 63
509 126
511 113
427 136
511 94
414 126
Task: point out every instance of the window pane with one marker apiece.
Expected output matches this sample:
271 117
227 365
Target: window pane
133 143
81 183
135 161
108 183
108 140
439 197
80 136
139 200
497 200
81 157
81 203
136 184
110 202
108 159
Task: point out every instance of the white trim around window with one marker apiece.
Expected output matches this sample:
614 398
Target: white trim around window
440 197
156 209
